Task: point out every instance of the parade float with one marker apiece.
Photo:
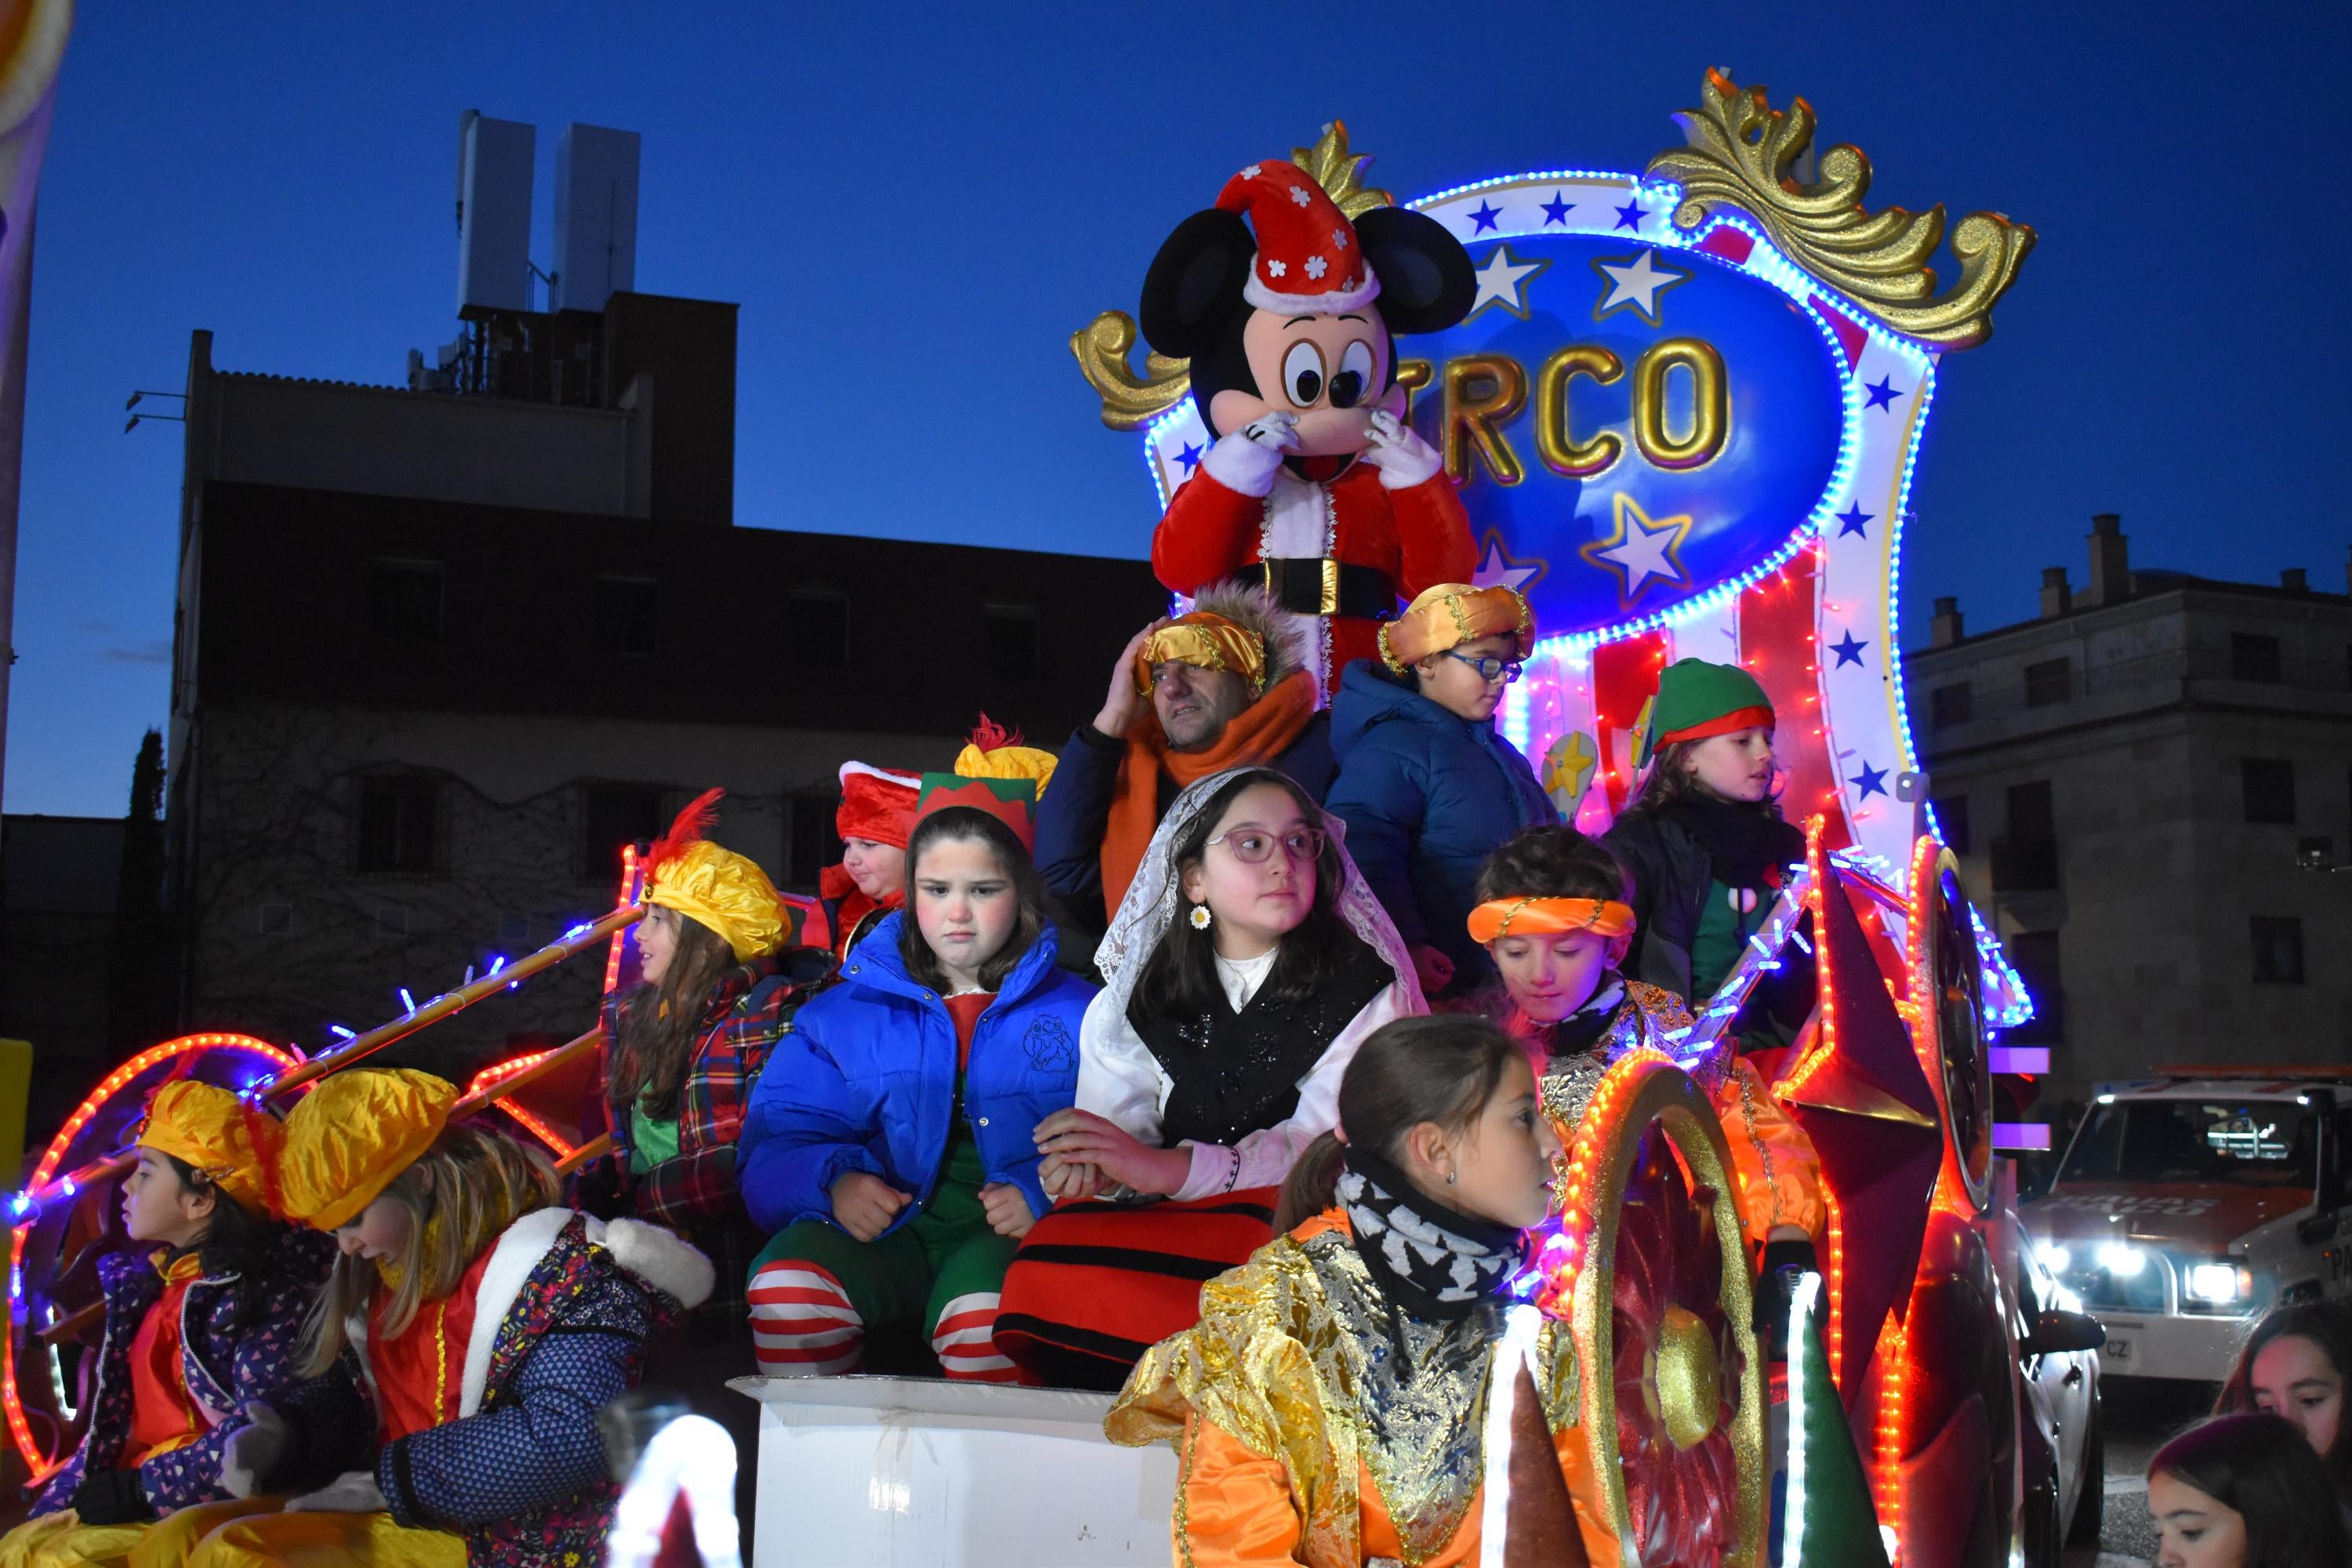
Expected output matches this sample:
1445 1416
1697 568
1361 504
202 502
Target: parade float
1682 413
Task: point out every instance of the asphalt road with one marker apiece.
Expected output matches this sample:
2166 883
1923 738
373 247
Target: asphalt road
2141 1414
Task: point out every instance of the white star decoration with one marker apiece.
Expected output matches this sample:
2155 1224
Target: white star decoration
1316 267
1502 280
1251 172
1276 268
1636 283
1641 548
1299 193
1339 239
1498 570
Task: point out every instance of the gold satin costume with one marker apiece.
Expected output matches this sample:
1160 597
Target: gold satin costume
1299 1441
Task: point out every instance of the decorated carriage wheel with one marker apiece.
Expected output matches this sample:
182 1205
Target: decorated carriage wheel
1948 996
54 1309
1660 1304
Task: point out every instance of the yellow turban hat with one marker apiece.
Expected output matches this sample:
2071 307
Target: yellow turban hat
353 1133
235 1143
994 755
1452 614
1207 640
716 888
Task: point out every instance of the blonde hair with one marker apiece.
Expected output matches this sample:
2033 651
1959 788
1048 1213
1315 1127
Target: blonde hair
459 1196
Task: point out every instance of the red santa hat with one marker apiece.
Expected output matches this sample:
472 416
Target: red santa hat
876 804
1308 259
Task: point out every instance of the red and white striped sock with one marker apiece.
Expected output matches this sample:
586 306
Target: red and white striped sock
965 1340
802 1322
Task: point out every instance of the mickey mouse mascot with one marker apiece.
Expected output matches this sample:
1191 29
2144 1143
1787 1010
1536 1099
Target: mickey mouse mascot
1315 486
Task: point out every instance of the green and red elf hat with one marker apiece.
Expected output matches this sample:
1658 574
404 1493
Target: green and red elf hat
1697 699
1013 801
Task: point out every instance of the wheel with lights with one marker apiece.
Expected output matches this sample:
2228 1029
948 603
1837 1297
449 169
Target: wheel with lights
1673 1405
1947 999
54 1309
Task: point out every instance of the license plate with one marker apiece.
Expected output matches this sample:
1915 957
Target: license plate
2117 1349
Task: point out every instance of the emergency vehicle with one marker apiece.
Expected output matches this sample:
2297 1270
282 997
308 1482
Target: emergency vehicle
2190 1203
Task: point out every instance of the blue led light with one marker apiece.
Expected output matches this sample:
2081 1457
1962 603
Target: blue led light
342 1033
407 1001
497 962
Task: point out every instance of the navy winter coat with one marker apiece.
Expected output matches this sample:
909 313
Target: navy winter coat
864 1080
1426 796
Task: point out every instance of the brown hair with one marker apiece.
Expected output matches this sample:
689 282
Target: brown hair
460 1195
969 825
660 1023
2260 1465
1553 861
1443 1067
1669 781
2328 1325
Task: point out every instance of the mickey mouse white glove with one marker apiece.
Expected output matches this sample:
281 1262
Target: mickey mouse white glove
1403 459
252 1451
353 1491
1245 460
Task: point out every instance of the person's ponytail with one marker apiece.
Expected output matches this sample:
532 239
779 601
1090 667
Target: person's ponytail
1313 1184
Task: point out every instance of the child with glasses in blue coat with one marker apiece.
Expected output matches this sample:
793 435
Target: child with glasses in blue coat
1427 786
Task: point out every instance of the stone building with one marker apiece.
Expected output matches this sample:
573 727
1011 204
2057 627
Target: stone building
2149 785
441 651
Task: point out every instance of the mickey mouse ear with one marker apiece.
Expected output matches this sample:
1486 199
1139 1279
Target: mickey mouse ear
1195 283
1426 280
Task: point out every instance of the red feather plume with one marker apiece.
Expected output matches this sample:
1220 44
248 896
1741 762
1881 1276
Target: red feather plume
990 736
693 824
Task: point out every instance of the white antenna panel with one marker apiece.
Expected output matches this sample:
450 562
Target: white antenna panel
596 217
494 169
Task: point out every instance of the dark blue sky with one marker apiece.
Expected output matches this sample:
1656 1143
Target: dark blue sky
915 210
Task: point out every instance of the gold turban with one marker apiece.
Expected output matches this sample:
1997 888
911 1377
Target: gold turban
1209 641
353 1133
992 754
713 887
234 1142
1452 614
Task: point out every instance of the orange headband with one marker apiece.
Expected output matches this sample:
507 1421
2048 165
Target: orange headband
1499 918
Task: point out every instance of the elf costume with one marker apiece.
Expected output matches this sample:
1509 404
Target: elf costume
935 1094
876 805
481 1447
188 1340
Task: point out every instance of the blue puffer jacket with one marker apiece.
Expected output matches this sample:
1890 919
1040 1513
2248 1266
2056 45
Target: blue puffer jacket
864 1080
1426 796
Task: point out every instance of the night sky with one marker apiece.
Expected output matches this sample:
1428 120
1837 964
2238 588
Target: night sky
915 212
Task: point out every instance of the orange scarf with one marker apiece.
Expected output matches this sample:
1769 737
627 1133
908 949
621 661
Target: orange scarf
1254 738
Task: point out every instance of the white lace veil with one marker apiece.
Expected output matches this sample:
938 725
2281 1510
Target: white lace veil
1154 897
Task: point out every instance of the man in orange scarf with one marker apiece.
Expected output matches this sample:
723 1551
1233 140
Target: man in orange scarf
1224 687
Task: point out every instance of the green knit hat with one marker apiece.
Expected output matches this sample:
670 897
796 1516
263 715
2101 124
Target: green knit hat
1697 699
1013 801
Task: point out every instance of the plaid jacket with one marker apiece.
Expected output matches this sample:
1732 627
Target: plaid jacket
697 1192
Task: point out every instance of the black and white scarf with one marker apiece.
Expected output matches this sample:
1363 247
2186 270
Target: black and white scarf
1436 1261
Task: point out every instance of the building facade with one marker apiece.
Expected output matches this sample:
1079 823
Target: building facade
2149 787
440 654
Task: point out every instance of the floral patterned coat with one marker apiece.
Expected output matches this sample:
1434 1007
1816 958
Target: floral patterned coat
224 1364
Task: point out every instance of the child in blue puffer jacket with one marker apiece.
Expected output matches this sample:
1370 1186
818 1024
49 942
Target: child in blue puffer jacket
1427 788
889 1142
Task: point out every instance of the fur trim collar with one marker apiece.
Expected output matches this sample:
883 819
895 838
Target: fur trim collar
1254 610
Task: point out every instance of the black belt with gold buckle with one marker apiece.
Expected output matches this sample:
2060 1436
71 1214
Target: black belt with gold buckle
1318 585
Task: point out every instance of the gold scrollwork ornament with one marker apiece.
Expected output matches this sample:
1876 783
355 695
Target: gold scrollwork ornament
1739 155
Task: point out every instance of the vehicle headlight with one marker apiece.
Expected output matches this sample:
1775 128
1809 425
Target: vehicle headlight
2213 1282
2122 1260
2056 1258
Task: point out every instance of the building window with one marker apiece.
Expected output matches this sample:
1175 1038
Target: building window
2049 682
1950 705
817 622
400 824
277 920
1013 651
2034 954
615 814
1952 820
2253 657
2269 783
815 845
2026 858
627 619
2278 950
404 599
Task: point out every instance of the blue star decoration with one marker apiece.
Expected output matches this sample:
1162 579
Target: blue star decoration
1869 782
1854 520
1630 215
1191 458
1881 394
1496 567
1484 216
1848 652
1641 548
1556 210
